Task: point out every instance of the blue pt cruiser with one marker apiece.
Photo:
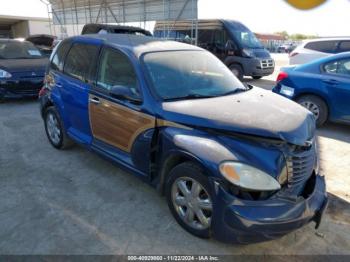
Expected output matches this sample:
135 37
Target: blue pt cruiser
235 162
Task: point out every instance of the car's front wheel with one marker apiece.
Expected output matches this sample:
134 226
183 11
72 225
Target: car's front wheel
316 106
237 71
55 130
189 198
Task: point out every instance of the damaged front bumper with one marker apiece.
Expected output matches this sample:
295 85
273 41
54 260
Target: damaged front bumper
248 221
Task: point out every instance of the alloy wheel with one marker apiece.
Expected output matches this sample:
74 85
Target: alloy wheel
192 203
53 128
312 107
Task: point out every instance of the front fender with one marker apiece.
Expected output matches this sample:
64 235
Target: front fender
178 145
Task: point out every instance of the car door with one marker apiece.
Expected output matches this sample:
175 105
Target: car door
79 73
117 122
337 82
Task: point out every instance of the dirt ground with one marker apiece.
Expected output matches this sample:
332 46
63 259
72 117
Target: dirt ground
74 202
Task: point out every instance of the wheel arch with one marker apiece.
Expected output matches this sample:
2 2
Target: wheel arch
45 105
320 96
172 160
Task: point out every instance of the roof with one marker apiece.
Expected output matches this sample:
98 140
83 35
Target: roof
326 39
138 44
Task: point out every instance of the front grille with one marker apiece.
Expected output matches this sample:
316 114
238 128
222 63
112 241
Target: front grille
300 166
267 63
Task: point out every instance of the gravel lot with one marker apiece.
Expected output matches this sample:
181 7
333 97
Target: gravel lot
74 202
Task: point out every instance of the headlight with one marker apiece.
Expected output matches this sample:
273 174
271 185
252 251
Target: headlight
248 177
248 53
4 74
286 90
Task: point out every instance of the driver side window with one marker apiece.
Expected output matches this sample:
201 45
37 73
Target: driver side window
116 70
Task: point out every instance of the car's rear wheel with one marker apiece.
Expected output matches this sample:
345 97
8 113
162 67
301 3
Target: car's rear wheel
189 198
316 106
237 71
55 129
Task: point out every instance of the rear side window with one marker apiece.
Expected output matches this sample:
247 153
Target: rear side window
341 67
205 37
58 59
79 62
344 46
323 46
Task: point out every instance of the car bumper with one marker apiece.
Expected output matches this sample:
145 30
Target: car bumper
253 67
243 222
20 88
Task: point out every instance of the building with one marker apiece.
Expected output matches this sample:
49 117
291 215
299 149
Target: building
271 41
22 27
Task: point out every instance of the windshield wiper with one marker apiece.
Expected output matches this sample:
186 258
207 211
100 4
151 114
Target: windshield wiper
189 96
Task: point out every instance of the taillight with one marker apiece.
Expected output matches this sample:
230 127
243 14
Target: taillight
281 76
293 54
43 91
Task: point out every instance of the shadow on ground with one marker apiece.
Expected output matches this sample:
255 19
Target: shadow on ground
263 83
335 131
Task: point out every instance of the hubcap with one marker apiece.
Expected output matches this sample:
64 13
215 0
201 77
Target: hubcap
53 128
192 203
312 107
235 72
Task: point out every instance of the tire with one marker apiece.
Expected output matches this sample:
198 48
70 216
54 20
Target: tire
189 175
2 99
57 137
256 77
317 106
237 71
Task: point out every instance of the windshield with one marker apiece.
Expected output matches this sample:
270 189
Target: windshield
247 39
189 74
18 50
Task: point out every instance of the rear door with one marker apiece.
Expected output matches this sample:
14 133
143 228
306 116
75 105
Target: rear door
117 123
79 74
337 81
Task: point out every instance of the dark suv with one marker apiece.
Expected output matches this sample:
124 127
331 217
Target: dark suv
235 163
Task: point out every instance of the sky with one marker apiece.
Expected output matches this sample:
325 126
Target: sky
263 16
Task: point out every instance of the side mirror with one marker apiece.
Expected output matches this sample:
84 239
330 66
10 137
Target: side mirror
230 47
124 93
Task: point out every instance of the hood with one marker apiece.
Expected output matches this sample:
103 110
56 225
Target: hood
261 53
22 65
255 112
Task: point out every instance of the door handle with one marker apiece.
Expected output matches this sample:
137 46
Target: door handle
59 85
332 82
94 100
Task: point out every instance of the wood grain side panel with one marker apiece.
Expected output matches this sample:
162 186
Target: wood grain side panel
118 125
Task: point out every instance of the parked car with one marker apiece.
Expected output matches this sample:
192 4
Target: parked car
231 41
22 69
45 43
317 48
113 29
286 48
322 86
235 163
